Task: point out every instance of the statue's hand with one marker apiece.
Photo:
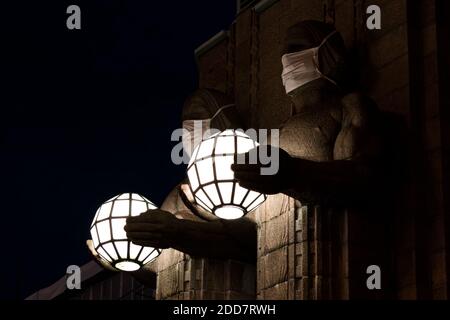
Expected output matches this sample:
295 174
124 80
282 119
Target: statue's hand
251 176
154 228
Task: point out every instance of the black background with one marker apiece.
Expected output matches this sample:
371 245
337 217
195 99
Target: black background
87 114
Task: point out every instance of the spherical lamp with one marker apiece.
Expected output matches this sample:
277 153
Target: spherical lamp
212 181
109 237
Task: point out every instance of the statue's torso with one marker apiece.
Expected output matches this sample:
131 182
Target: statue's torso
311 135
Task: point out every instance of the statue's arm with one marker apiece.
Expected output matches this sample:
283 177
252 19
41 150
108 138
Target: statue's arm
215 239
176 226
222 239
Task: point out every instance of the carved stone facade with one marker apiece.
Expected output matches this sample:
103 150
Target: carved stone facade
296 254
316 253
186 278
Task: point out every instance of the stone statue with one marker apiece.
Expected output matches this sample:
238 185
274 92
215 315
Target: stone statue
332 167
330 151
182 227
330 146
186 228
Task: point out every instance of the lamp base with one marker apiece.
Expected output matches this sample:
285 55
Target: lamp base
127 266
229 212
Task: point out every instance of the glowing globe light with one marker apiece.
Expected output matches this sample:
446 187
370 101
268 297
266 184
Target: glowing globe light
109 237
212 180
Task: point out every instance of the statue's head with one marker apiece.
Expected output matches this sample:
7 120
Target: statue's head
207 109
314 55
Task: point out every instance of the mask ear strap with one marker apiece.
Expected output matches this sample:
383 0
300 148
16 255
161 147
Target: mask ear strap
221 109
329 79
327 37
316 57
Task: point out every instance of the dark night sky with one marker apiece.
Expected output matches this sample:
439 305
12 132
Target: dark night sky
86 115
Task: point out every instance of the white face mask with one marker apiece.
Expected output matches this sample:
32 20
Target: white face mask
302 67
197 130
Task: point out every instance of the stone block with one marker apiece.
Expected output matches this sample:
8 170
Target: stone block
277 292
168 282
213 295
242 79
431 101
427 12
270 17
407 293
301 265
302 288
434 166
168 258
428 37
260 275
242 277
292 258
391 46
276 267
432 134
396 101
404 223
430 69
276 233
437 239
305 10
243 26
317 284
440 293
405 269
233 295
438 269
271 93
275 205
214 275
392 76
213 68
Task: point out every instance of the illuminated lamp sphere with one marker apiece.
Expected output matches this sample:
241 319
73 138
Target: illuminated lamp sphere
109 237
212 180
